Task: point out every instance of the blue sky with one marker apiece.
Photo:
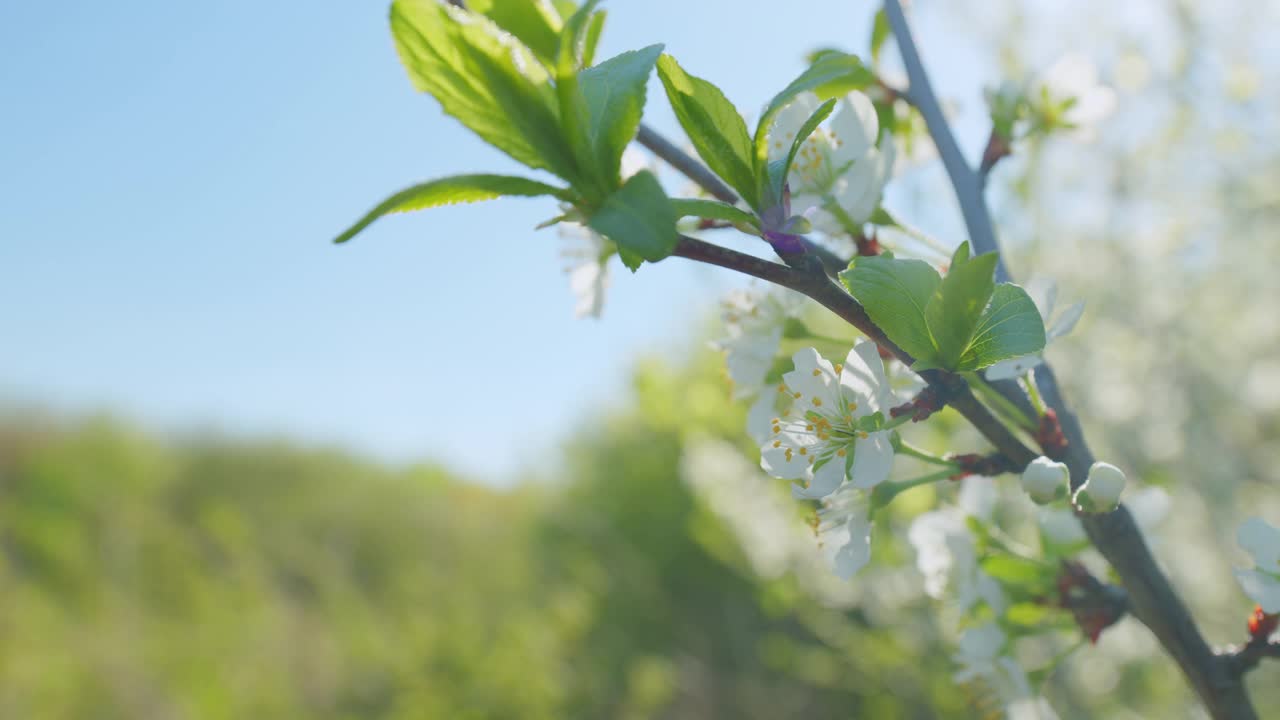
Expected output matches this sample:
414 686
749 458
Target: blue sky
171 174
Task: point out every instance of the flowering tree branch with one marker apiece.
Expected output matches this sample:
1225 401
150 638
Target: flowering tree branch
1152 598
814 283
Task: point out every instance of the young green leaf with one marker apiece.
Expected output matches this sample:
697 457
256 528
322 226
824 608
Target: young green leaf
832 74
880 31
574 115
595 28
640 219
450 190
573 38
895 294
776 176
714 210
1012 570
614 92
713 124
536 23
1009 327
493 86
958 302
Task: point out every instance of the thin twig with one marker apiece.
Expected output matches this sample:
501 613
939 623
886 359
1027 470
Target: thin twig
964 180
702 176
1243 659
686 164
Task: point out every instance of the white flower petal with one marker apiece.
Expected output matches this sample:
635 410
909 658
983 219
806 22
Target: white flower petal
855 127
781 458
928 535
872 460
761 415
825 480
863 374
588 282
1065 322
813 377
978 496
1149 507
857 192
1044 293
1262 588
1013 368
855 552
1261 540
788 122
1043 478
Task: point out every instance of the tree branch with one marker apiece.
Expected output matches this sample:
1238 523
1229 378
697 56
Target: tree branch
966 182
1242 660
1152 599
702 176
815 284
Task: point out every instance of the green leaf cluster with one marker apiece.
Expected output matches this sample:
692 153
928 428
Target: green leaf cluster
960 322
521 76
719 132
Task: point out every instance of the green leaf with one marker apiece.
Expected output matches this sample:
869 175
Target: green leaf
1009 327
614 92
595 29
880 31
535 23
1012 570
571 45
497 89
832 74
714 210
639 219
714 126
1029 614
574 114
958 302
776 176
895 294
450 190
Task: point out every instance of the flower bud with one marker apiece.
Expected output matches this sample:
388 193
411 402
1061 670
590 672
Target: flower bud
1042 478
1101 490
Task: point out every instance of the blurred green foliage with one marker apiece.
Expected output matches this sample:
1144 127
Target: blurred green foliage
228 579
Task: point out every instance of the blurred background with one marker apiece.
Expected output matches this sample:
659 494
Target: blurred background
245 473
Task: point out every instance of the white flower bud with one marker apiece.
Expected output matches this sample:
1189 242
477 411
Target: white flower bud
1042 478
1101 490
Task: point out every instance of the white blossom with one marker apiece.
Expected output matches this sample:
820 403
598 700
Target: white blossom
946 554
587 252
1101 489
753 323
1262 584
984 659
1075 77
1043 478
844 530
1044 293
830 433
839 174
